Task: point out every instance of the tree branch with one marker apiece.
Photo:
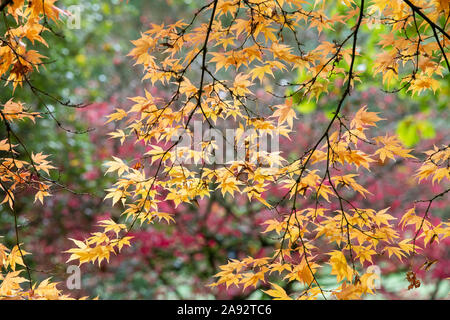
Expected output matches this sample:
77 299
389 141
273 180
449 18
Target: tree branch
431 23
5 4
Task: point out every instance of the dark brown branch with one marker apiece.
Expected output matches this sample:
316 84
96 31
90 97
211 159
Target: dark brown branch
5 4
417 10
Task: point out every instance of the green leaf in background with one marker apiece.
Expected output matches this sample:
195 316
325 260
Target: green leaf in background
426 129
305 107
410 131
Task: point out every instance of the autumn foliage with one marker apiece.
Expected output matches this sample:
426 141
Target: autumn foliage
212 68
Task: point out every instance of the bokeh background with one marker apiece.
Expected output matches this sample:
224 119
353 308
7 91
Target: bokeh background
89 65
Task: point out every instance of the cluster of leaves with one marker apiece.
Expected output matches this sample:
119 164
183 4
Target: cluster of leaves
212 69
17 62
251 41
178 260
359 233
16 173
24 174
12 280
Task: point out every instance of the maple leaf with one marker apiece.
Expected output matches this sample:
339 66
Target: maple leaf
392 146
118 115
117 165
11 283
15 257
110 225
285 113
252 279
364 118
339 266
277 293
260 72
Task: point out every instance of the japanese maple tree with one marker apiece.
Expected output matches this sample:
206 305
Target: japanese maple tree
213 67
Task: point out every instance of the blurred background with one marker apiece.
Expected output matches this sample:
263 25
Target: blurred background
89 65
